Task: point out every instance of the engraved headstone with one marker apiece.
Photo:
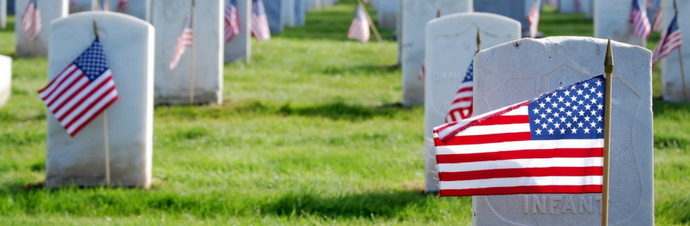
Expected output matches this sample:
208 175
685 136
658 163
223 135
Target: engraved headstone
388 13
524 69
273 15
239 47
3 13
80 160
451 42
671 77
516 10
612 20
50 10
5 79
173 86
415 15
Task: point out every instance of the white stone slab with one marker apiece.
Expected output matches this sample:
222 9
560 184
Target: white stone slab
273 10
450 46
172 87
76 6
388 13
571 6
612 20
138 8
301 7
415 15
521 70
50 10
240 46
5 79
671 79
3 13
588 8
128 45
288 13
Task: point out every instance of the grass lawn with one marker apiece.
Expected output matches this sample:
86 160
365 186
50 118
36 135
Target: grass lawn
309 133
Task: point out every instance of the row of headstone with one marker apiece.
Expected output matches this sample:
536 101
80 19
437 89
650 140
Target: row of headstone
612 20
3 13
50 10
5 79
387 11
672 88
319 4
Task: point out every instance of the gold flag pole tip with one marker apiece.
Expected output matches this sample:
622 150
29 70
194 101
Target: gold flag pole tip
95 28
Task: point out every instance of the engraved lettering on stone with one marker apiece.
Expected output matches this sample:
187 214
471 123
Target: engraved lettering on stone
553 203
568 205
536 204
585 205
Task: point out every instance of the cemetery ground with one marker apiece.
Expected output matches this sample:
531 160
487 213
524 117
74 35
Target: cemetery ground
310 132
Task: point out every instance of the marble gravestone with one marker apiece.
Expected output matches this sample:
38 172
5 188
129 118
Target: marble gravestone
287 13
314 4
301 7
415 15
173 86
451 42
273 15
524 69
612 20
137 8
516 10
5 79
387 13
671 77
3 13
50 10
80 160
571 6
240 46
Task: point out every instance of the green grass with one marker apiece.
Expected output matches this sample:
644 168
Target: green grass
309 133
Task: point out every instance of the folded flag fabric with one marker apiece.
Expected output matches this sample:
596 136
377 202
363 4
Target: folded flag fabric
260 28
552 144
83 90
638 17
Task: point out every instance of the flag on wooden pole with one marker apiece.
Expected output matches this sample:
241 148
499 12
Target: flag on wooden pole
533 18
260 28
670 40
359 28
461 108
122 6
83 90
638 17
232 22
658 21
186 39
552 144
31 20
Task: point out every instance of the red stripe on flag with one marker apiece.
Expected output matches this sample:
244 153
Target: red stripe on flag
523 190
521 172
521 154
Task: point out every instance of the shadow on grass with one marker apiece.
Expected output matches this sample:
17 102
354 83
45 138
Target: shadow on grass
339 110
368 69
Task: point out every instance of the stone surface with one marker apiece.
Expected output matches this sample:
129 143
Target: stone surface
287 12
3 13
301 7
173 86
516 10
450 46
415 15
314 4
588 9
612 19
387 13
523 69
671 77
128 45
572 6
76 6
137 8
273 14
239 47
50 10
5 79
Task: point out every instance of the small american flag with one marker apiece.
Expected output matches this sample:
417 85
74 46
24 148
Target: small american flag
81 91
533 18
232 22
638 17
552 144
670 40
122 6
658 21
461 108
185 39
259 22
103 5
31 20
359 29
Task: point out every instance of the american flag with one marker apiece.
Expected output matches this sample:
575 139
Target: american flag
638 17
122 6
552 144
31 20
670 40
359 29
533 18
658 21
186 39
232 22
82 90
259 22
104 5
461 108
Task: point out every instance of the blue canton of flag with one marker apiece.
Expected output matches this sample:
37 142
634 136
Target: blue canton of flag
92 62
574 112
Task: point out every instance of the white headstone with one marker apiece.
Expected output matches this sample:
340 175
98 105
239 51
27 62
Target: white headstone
5 79
301 7
173 86
50 10
388 13
137 8
128 44
240 46
612 20
671 77
314 4
571 6
588 8
3 13
76 6
288 13
273 10
415 15
451 42
524 69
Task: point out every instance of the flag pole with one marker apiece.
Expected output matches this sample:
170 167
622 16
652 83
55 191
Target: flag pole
680 58
479 38
105 127
191 59
608 68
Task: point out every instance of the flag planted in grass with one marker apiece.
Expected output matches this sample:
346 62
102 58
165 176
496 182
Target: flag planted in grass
232 22
359 29
638 17
31 20
533 18
259 21
552 144
83 90
671 39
